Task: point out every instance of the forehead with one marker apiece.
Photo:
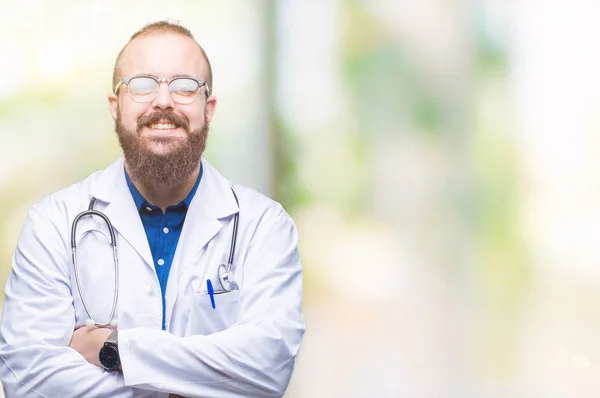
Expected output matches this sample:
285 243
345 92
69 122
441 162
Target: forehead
163 55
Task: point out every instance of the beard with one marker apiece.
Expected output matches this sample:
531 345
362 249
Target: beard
169 169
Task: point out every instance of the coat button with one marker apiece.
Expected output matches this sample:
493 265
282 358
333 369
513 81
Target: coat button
150 290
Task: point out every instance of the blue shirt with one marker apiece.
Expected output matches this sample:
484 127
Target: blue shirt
163 231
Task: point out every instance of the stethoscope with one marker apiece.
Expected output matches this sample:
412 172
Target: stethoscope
223 271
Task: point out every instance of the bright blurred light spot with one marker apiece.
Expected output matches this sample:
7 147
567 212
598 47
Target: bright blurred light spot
12 72
56 61
359 261
580 361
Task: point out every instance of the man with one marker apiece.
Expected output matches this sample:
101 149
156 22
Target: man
178 323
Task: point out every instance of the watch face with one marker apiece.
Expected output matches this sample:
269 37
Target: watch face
109 357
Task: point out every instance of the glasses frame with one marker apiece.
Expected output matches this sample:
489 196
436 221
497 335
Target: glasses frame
158 82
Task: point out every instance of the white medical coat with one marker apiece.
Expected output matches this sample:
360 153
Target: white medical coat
245 347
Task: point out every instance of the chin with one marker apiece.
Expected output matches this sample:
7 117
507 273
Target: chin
162 147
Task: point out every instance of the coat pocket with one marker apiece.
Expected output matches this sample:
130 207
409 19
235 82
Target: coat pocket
205 320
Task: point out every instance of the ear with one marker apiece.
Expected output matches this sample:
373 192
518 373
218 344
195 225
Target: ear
113 105
209 110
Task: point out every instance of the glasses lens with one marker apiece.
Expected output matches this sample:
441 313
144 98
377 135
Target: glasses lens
142 89
184 90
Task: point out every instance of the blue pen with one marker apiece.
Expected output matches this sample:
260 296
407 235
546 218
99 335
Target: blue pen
211 292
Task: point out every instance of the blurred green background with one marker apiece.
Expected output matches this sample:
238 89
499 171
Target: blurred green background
439 158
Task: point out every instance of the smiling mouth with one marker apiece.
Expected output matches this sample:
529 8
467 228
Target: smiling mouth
163 126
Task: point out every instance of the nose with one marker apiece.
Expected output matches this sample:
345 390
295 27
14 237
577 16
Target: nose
163 98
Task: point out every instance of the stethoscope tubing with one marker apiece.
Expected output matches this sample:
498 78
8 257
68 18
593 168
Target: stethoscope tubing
113 242
225 279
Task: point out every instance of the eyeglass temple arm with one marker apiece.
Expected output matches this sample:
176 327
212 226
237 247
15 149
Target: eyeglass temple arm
119 84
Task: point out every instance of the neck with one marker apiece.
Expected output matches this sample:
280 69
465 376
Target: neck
164 197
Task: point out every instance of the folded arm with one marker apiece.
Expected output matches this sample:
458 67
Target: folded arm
256 356
38 322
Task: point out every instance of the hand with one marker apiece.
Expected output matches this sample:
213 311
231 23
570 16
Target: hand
88 340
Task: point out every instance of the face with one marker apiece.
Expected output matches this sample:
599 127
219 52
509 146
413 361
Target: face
162 140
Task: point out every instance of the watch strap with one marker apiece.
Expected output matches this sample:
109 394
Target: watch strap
113 338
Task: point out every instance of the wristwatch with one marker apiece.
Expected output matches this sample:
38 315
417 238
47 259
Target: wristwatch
109 353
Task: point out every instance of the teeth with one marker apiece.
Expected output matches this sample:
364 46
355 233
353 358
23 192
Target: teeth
162 126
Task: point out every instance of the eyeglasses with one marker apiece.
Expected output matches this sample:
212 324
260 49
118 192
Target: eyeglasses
144 88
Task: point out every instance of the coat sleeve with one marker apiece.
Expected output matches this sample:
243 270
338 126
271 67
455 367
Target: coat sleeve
38 322
253 358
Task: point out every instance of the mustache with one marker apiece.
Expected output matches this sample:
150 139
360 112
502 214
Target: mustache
178 121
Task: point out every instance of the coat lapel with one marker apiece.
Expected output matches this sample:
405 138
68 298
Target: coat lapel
110 187
212 203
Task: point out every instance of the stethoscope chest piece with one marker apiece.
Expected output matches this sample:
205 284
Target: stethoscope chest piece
226 278
90 323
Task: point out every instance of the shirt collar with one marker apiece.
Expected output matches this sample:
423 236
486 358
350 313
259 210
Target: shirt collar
140 201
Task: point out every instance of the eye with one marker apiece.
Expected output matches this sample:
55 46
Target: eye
184 87
142 85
